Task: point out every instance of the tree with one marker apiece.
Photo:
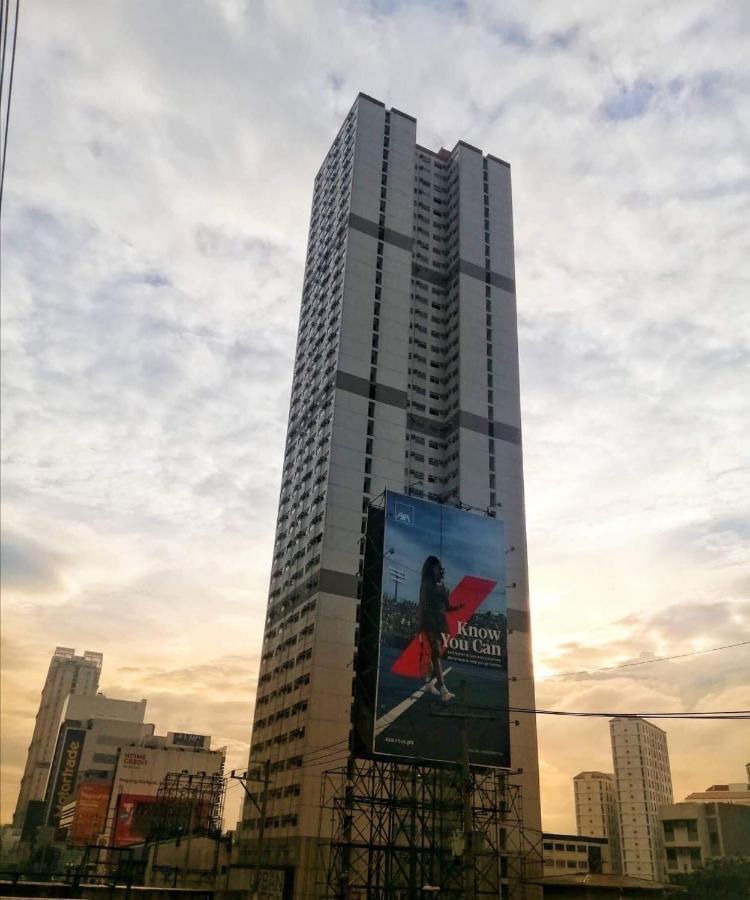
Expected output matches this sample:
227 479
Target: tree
719 879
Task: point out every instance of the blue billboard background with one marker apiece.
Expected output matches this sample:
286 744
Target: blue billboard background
470 632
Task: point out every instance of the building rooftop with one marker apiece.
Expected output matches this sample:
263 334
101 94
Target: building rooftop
603 882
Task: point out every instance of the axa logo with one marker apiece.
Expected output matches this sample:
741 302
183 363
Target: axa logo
404 513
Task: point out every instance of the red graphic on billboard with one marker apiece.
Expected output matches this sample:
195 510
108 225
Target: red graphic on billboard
464 600
91 813
133 818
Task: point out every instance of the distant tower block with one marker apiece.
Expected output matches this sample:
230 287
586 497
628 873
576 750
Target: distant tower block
67 674
596 811
644 784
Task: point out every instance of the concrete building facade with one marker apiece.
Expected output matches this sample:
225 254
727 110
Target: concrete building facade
140 770
96 727
565 853
67 674
405 377
596 811
643 782
695 833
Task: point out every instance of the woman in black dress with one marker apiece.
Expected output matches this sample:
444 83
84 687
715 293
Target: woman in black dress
433 605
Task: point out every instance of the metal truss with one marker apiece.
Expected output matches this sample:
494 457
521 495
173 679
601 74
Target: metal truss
188 804
395 831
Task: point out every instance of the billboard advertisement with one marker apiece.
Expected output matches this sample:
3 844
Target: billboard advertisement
66 773
91 812
137 777
441 635
185 739
133 818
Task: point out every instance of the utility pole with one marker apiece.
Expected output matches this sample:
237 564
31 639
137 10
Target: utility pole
467 787
261 807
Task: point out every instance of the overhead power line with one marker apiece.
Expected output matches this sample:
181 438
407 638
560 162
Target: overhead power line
641 662
5 14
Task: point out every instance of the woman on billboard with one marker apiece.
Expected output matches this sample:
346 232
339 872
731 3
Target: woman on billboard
434 603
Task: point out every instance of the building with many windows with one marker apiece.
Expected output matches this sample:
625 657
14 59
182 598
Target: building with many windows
67 674
596 811
92 730
643 782
566 853
405 377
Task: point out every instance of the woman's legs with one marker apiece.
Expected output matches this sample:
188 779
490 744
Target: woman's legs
437 667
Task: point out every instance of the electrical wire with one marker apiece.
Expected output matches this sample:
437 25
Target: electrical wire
4 10
726 715
10 90
639 662
626 665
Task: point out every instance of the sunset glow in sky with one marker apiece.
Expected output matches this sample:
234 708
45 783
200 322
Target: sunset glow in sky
160 168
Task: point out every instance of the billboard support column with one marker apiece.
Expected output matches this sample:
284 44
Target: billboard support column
468 806
467 788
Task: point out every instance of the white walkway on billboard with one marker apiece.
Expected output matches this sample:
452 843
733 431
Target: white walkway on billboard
390 717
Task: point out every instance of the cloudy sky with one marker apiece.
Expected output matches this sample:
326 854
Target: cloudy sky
157 194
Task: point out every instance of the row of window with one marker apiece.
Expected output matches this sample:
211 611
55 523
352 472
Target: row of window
295 734
289 620
290 819
299 707
288 688
286 666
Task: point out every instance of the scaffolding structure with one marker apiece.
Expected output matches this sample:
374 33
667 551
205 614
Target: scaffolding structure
396 831
188 804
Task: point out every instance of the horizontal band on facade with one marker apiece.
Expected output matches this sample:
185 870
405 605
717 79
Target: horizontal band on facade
341 583
354 384
440 279
402 241
518 620
381 393
496 279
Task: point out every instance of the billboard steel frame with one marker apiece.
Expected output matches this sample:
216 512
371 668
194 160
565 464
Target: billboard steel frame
396 832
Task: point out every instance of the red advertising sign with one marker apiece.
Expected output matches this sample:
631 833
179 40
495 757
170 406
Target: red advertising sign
133 818
91 812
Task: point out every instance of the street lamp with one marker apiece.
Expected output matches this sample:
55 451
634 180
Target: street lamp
399 577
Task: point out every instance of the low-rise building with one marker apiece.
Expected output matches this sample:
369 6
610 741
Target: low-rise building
140 773
695 833
564 853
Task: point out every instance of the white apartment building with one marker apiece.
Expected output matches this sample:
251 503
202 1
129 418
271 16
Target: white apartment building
67 674
596 811
643 783
405 377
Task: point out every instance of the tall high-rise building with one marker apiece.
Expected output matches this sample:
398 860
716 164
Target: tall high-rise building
644 784
67 674
405 377
596 811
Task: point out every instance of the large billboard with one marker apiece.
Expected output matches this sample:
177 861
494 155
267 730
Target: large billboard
91 812
66 774
441 656
139 773
133 818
